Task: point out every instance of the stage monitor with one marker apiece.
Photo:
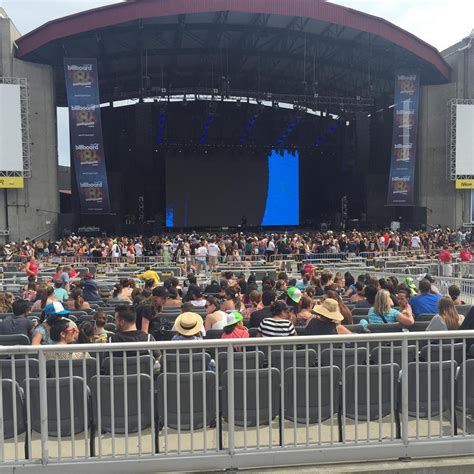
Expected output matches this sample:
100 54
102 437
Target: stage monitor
11 140
464 139
226 189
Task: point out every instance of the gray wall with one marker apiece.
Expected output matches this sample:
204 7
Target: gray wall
446 205
34 210
435 191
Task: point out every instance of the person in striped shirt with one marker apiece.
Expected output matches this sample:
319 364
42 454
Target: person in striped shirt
278 325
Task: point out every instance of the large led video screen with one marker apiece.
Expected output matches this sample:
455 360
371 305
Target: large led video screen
464 139
222 190
11 141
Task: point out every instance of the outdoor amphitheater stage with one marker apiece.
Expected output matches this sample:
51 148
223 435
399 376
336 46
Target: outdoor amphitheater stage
215 114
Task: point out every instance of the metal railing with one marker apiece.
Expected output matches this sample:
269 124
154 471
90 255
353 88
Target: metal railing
225 404
466 285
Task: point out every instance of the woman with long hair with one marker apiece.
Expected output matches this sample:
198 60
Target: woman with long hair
383 312
47 297
447 319
76 300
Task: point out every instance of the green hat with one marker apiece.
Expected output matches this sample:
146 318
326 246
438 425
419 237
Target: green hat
294 293
409 283
233 317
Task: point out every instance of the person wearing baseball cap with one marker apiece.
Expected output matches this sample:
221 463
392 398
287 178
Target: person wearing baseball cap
293 297
327 319
51 313
90 288
234 328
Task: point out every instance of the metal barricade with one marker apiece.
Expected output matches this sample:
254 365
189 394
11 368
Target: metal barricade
192 405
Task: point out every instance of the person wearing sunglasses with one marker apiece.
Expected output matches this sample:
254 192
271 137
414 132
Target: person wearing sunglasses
63 331
279 324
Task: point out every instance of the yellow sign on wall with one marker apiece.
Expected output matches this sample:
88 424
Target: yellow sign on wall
12 182
465 184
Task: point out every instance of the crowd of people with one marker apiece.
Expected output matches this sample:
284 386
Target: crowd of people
316 303
209 247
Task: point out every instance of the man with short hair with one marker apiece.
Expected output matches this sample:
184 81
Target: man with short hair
18 323
268 298
369 292
201 257
59 292
160 295
426 302
90 288
125 320
214 252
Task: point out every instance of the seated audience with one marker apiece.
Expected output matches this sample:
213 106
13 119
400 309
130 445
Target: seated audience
455 295
188 326
279 324
63 331
447 317
76 300
215 318
426 302
268 298
383 312
51 313
234 328
327 320
90 288
18 323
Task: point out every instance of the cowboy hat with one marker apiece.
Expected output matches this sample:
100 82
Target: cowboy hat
329 309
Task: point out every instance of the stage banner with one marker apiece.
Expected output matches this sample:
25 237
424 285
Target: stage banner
87 147
401 188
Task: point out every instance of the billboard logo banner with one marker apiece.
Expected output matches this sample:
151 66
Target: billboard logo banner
401 188
87 146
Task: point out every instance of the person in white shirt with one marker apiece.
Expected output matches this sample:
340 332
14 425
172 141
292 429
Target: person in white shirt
214 252
138 249
270 248
115 250
415 242
201 257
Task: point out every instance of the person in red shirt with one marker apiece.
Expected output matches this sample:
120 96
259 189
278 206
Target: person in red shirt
57 275
465 255
234 328
445 257
309 269
73 272
32 268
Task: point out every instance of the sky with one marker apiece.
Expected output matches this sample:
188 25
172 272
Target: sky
440 23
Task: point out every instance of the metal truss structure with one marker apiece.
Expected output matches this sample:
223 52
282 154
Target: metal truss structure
25 128
254 53
452 133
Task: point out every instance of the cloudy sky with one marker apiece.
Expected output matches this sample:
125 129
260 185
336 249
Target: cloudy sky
438 22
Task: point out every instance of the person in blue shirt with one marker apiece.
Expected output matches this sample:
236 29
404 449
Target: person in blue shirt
426 302
383 312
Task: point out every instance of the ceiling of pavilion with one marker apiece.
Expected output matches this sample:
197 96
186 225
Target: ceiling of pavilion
239 52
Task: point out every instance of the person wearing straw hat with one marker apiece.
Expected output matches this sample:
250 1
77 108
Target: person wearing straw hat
188 326
327 320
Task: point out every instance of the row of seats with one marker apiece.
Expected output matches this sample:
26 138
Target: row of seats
188 401
20 369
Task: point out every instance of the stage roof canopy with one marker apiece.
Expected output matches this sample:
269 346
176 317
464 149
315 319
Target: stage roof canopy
305 48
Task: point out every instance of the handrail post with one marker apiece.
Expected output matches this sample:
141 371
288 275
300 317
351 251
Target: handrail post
230 398
404 391
43 407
